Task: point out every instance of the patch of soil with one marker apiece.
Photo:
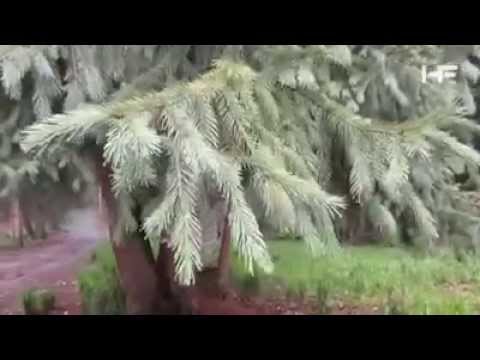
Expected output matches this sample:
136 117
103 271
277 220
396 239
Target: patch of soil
235 304
230 306
208 300
359 309
342 306
277 303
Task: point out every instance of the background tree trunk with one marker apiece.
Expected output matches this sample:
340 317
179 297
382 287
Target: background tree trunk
16 222
224 261
27 219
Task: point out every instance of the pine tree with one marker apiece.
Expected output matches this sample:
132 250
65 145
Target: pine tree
394 93
34 86
283 136
40 80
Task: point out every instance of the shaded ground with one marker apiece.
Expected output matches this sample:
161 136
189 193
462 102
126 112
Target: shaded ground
52 264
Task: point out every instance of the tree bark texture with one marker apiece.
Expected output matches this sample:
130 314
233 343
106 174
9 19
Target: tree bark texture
224 261
16 222
137 273
149 284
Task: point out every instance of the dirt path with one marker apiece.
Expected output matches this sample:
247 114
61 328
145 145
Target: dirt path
50 264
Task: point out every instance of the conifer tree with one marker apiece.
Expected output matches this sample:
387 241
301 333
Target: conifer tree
40 80
289 137
36 193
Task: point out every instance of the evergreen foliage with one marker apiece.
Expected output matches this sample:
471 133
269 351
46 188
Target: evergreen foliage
31 90
286 135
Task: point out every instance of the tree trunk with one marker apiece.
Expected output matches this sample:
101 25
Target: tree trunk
99 201
172 297
354 229
56 216
215 281
55 224
137 272
149 285
164 273
103 212
137 275
17 223
224 261
27 220
42 229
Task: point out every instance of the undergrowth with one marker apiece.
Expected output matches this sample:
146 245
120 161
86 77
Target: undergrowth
394 280
100 289
38 301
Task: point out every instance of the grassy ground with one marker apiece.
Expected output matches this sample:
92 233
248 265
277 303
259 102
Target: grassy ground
361 280
375 279
99 285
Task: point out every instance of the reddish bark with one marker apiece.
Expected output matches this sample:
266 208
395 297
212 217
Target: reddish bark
42 228
100 202
172 297
224 261
215 282
150 285
16 222
27 220
137 272
102 212
164 272
137 276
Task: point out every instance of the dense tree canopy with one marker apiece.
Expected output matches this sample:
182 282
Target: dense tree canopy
293 138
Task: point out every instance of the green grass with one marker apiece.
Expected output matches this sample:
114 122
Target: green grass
394 280
99 285
38 302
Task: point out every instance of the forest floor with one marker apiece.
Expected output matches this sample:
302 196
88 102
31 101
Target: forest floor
357 281
370 280
50 264
55 264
